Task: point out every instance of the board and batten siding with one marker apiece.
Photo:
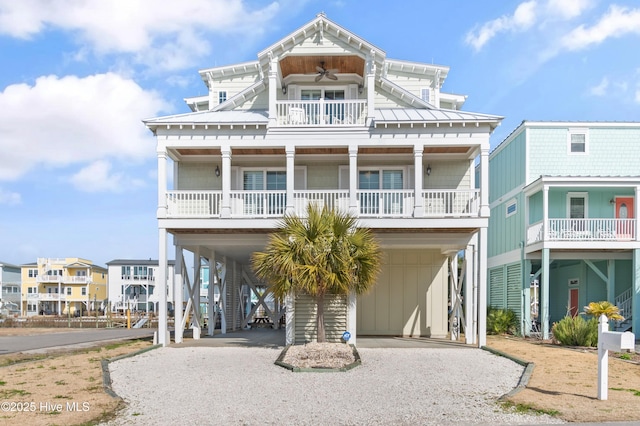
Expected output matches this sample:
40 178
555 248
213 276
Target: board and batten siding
507 167
409 297
335 318
197 176
449 175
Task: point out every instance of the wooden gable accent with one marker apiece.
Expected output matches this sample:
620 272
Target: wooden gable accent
308 64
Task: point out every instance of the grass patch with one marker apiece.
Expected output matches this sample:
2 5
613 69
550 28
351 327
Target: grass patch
2 383
635 392
13 392
60 382
62 397
528 409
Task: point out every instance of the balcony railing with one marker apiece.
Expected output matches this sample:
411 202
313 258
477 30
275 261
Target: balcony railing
598 229
73 279
322 113
369 203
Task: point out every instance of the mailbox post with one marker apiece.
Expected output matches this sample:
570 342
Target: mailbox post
609 340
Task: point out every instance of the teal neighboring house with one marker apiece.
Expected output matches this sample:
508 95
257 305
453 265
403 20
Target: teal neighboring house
563 230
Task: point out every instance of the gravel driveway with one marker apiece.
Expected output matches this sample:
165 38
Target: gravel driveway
242 386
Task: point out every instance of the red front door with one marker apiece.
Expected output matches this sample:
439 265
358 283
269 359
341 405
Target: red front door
573 301
624 210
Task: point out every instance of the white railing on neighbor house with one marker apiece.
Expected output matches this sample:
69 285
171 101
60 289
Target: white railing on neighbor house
598 229
48 296
321 112
369 203
49 278
77 279
623 302
73 279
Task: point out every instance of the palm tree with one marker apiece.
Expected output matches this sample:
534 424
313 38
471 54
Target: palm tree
603 308
324 253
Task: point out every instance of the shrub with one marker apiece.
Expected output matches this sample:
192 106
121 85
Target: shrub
501 321
576 331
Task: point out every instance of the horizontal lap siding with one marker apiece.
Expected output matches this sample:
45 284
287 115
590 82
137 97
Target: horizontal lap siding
335 318
514 288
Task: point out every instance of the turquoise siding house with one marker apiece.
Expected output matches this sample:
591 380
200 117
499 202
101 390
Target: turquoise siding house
563 230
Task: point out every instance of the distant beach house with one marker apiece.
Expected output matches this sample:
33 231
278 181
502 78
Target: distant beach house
324 117
63 286
564 226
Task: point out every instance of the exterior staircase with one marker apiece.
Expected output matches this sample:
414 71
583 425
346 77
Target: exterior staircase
623 302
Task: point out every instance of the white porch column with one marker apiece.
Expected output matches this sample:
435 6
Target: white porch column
611 281
211 303
636 201
273 89
545 212
484 181
635 293
212 99
178 296
163 331
226 182
544 294
371 87
161 212
482 287
352 304
469 292
290 152
353 179
418 206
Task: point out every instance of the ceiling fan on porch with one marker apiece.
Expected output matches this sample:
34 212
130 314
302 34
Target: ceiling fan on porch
323 72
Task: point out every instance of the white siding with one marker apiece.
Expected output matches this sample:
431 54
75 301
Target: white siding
335 318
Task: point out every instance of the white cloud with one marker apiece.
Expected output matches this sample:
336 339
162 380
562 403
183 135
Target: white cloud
9 198
523 17
98 177
71 120
601 88
637 96
567 9
617 22
162 33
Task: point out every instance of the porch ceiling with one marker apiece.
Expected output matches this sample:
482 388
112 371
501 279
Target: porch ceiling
307 64
240 246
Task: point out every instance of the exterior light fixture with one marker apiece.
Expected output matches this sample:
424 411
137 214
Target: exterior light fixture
217 171
284 89
429 170
360 88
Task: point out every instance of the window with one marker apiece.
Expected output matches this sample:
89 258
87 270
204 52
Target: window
381 179
577 206
578 141
511 208
33 273
425 94
222 96
84 291
270 180
81 273
68 291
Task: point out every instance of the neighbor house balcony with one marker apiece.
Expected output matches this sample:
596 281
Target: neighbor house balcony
321 113
583 230
70 279
48 297
443 203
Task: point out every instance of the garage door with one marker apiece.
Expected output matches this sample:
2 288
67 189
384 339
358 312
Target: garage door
410 297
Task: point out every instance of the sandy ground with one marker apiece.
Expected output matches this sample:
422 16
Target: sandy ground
61 387
66 388
566 380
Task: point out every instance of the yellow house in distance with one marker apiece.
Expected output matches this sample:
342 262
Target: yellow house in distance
63 286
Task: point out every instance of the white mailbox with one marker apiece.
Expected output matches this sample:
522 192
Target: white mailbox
609 341
616 341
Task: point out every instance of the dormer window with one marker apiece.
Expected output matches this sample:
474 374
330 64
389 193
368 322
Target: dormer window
222 96
578 141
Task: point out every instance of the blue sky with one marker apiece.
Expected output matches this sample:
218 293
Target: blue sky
78 167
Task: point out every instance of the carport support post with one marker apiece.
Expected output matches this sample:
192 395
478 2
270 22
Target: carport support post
163 331
351 317
482 287
544 295
178 292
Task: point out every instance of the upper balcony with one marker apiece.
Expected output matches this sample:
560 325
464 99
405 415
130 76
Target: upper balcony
583 230
322 112
368 203
67 279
